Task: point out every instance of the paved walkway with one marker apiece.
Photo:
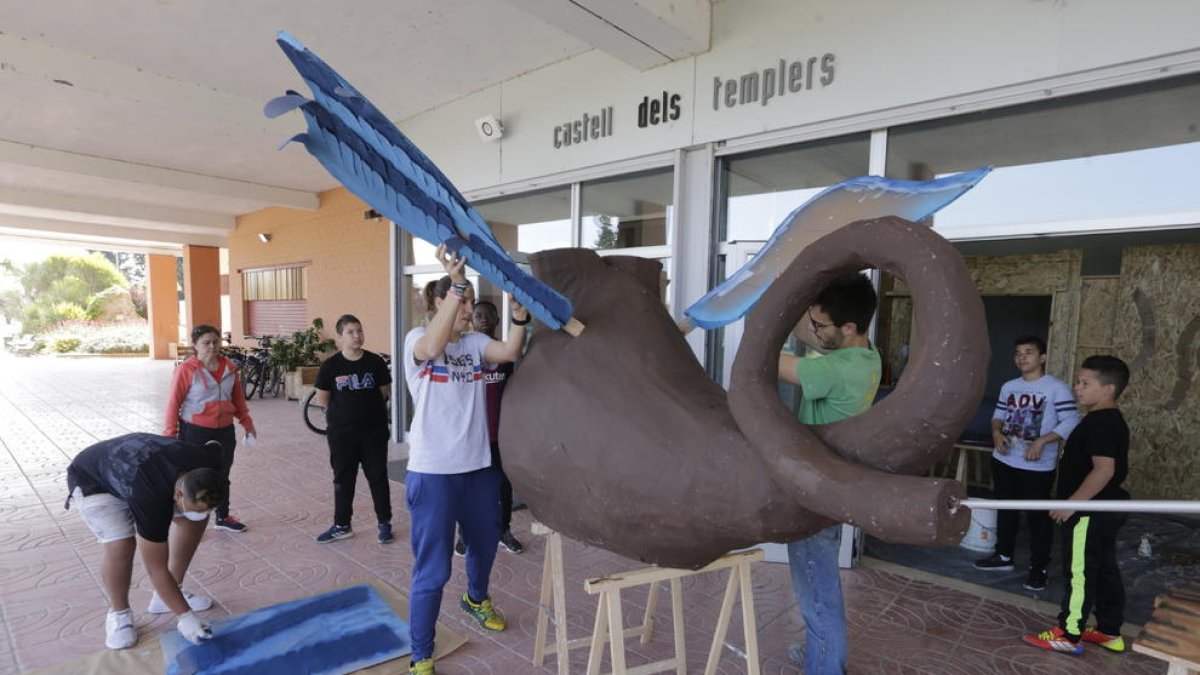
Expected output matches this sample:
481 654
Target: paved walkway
52 607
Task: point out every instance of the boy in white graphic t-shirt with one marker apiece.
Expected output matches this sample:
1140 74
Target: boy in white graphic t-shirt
1035 413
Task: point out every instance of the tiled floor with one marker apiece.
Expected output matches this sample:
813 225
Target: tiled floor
52 608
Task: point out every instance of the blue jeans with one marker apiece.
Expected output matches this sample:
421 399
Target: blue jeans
814 565
436 502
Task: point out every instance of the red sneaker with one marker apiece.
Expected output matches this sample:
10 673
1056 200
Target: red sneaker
1054 640
1113 643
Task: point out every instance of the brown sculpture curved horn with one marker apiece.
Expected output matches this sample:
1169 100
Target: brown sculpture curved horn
618 437
907 432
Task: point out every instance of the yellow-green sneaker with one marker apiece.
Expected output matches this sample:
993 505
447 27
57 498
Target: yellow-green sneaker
422 667
484 613
1113 643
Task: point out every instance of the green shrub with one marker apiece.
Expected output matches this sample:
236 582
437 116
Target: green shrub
68 311
304 348
91 337
64 345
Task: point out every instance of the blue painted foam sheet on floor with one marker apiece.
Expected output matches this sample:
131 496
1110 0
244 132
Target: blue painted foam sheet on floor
329 634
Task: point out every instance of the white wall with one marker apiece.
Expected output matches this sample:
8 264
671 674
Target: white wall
889 56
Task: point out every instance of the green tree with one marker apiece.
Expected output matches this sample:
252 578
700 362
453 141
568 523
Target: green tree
12 303
606 232
132 265
62 287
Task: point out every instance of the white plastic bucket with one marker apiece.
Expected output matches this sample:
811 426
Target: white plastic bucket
981 536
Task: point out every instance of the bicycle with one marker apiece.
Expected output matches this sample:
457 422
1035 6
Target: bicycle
314 415
236 355
257 373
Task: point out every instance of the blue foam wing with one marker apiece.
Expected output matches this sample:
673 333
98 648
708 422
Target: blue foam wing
367 154
341 631
852 200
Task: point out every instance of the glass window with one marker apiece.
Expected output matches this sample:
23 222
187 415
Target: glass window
531 221
760 189
420 252
757 190
1106 157
627 211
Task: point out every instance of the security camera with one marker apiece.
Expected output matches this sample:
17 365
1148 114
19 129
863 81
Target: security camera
489 128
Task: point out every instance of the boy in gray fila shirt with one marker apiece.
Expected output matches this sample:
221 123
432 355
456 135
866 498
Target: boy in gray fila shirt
1034 414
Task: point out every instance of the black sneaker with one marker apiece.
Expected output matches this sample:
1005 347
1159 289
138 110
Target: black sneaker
460 547
385 533
334 533
508 541
1036 581
996 563
229 524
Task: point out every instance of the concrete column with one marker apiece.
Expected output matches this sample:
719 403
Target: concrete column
693 242
162 304
202 285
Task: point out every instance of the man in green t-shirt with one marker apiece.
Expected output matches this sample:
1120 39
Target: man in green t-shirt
839 382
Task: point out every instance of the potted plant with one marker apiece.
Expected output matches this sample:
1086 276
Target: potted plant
300 356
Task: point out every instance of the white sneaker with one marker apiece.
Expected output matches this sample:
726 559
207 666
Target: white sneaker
119 629
198 603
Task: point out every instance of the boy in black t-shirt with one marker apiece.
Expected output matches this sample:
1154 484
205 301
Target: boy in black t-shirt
354 385
1093 466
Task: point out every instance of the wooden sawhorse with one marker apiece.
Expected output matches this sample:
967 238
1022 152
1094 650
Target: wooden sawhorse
609 623
963 452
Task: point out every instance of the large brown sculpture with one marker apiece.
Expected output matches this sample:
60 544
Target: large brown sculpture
618 438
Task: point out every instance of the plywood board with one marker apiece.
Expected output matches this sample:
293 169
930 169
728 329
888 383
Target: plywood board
1156 329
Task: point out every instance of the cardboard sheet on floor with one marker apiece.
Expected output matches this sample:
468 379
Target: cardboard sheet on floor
146 657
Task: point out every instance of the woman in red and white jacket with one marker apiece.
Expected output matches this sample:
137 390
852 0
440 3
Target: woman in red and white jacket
206 396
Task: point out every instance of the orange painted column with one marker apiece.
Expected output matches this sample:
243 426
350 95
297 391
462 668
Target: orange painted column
162 304
202 286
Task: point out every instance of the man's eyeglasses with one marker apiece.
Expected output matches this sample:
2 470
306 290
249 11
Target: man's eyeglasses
817 325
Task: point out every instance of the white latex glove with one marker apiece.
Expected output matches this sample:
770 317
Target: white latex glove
250 441
194 629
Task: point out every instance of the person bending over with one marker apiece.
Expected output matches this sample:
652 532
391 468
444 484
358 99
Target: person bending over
130 490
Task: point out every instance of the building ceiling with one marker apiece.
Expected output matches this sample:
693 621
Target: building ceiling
139 122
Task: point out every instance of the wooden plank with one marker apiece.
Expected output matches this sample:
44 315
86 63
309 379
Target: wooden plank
576 643
558 589
1172 633
647 669
655 574
714 650
677 621
539 640
616 631
648 617
599 635
749 624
